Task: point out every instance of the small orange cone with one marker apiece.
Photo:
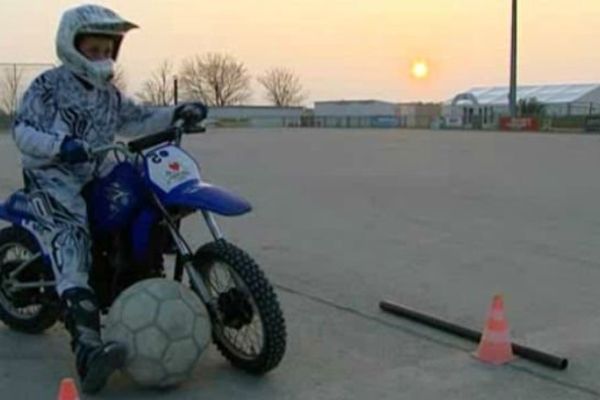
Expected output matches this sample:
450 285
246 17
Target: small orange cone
495 346
68 390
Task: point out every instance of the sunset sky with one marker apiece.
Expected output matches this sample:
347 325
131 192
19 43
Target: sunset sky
341 49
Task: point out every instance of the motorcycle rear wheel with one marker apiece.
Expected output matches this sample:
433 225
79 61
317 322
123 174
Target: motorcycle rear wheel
33 309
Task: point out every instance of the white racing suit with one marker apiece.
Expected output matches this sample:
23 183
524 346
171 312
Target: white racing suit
59 104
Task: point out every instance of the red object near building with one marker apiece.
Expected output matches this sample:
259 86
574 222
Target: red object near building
519 124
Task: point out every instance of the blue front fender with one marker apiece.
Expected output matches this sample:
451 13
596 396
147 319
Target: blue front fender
204 196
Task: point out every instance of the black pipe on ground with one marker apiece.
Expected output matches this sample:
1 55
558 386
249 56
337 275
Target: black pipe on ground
546 359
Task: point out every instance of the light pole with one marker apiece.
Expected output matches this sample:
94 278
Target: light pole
512 96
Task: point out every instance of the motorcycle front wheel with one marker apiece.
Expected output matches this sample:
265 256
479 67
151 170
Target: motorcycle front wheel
249 329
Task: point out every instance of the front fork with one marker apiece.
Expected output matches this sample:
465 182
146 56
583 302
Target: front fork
184 249
185 259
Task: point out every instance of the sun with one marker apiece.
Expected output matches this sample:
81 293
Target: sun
419 69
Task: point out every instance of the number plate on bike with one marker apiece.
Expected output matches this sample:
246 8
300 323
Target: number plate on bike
169 167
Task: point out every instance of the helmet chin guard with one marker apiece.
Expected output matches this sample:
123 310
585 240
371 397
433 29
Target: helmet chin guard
92 20
104 70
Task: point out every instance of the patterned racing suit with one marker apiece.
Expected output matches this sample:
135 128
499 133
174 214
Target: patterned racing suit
59 104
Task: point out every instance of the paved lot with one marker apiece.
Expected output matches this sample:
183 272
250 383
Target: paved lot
440 221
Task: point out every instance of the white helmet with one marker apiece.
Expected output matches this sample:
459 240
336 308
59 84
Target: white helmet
90 19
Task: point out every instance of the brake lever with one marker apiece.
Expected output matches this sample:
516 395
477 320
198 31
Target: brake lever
188 130
196 129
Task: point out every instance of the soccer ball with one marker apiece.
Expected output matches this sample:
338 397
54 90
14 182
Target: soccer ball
165 328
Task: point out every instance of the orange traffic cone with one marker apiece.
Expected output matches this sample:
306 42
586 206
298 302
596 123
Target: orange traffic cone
495 346
68 390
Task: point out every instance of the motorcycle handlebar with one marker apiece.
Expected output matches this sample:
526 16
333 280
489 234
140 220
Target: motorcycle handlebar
119 147
143 143
168 135
137 145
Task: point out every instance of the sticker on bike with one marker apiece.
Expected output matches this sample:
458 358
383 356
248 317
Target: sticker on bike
170 166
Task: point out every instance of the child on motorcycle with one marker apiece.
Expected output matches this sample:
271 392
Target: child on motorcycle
64 113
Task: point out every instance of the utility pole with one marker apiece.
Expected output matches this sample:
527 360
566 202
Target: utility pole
175 90
512 96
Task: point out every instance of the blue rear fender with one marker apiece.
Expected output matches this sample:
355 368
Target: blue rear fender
204 196
16 208
17 211
5 216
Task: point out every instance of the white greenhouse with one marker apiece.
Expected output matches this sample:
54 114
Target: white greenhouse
483 105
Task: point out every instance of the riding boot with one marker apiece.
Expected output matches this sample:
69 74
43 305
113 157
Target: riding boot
95 361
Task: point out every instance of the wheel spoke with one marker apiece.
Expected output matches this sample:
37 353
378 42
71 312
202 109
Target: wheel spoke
247 341
212 285
257 331
257 336
218 279
226 275
215 279
21 257
234 337
239 337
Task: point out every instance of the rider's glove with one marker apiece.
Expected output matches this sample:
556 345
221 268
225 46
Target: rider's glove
73 151
191 114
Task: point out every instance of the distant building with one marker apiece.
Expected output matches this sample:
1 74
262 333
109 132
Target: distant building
329 114
255 116
375 114
418 115
355 114
482 106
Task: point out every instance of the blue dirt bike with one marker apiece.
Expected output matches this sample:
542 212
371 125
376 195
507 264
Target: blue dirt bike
134 217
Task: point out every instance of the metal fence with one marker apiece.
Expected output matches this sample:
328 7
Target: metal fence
572 109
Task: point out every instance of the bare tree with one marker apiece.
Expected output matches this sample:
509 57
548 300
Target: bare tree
282 87
10 82
158 90
216 79
120 79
